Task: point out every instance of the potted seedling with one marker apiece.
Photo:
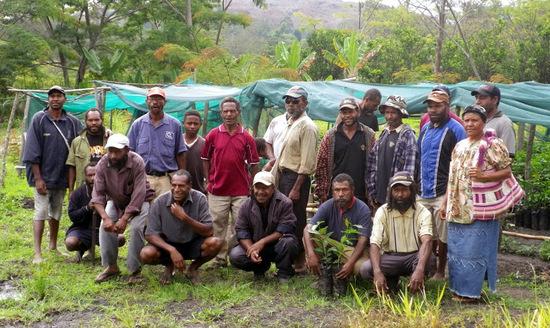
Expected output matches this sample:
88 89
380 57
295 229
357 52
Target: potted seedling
332 255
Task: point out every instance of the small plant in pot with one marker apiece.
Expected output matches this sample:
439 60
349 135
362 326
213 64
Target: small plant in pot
332 255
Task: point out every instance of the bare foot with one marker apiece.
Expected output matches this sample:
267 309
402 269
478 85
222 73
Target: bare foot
107 274
135 278
438 276
37 259
167 276
192 275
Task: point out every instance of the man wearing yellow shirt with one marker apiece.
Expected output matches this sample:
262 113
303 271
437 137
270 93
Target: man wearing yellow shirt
401 239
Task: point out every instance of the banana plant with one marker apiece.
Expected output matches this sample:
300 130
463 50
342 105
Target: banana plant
103 67
351 55
290 57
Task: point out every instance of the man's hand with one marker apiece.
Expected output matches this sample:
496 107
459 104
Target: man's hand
380 283
108 224
108 133
294 195
417 280
177 211
40 185
269 165
312 262
178 260
346 271
253 252
476 174
120 225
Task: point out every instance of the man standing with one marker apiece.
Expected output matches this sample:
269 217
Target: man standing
369 105
192 123
401 239
266 231
394 151
426 118
228 151
157 138
333 214
297 160
121 196
180 228
48 142
87 147
344 149
435 145
274 139
488 97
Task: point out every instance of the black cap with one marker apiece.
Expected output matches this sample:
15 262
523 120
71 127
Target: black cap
56 88
487 90
477 110
442 87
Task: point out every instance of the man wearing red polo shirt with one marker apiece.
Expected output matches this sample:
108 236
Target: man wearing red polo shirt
228 152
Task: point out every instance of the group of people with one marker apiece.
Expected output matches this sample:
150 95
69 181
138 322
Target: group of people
184 197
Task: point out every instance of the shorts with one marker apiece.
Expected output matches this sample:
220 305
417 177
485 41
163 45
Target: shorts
439 226
190 250
84 235
49 205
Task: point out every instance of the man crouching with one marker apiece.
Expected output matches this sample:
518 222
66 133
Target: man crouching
180 228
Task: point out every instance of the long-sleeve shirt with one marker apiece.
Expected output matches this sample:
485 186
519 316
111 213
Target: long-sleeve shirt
127 187
79 211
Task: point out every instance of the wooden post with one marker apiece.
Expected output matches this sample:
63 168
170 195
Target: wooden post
521 133
205 119
257 123
21 166
4 153
529 152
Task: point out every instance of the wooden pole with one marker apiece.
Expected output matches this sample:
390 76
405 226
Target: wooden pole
4 153
529 152
257 123
205 119
21 166
521 134
523 235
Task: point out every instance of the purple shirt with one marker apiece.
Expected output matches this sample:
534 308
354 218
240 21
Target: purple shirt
127 187
158 146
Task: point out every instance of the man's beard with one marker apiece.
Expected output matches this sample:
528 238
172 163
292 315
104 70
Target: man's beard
100 131
402 205
119 164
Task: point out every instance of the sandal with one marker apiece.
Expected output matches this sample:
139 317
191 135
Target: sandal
106 275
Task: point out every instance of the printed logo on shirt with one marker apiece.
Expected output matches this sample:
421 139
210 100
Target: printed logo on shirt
96 152
46 134
169 135
392 144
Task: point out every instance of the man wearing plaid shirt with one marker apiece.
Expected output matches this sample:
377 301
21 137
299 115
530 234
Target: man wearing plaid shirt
394 151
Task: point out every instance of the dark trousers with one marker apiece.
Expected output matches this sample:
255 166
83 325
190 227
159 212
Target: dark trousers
282 253
395 265
287 179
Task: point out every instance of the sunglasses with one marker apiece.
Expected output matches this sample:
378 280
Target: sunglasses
293 101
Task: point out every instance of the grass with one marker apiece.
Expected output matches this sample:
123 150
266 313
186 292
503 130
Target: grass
65 294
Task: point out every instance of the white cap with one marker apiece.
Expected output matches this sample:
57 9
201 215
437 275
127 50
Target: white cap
117 140
263 177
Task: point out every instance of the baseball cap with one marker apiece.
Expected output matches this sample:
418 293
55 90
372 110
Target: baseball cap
156 91
56 88
444 88
479 110
438 97
487 90
402 178
349 103
296 92
117 140
263 177
396 102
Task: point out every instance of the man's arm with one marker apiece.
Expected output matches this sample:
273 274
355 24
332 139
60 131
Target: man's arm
379 278
347 268
78 209
253 250
180 158
271 156
175 256
39 183
205 172
107 222
205 230
417 278
311 257
71 177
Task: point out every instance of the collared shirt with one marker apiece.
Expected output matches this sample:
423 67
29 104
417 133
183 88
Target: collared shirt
80 155
161 221
157 145
396 232
504 129
300 150
45 146
334 218
229 155
369 119
193 163
275 132
127 187
435 146
79 213
404 158
349 157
